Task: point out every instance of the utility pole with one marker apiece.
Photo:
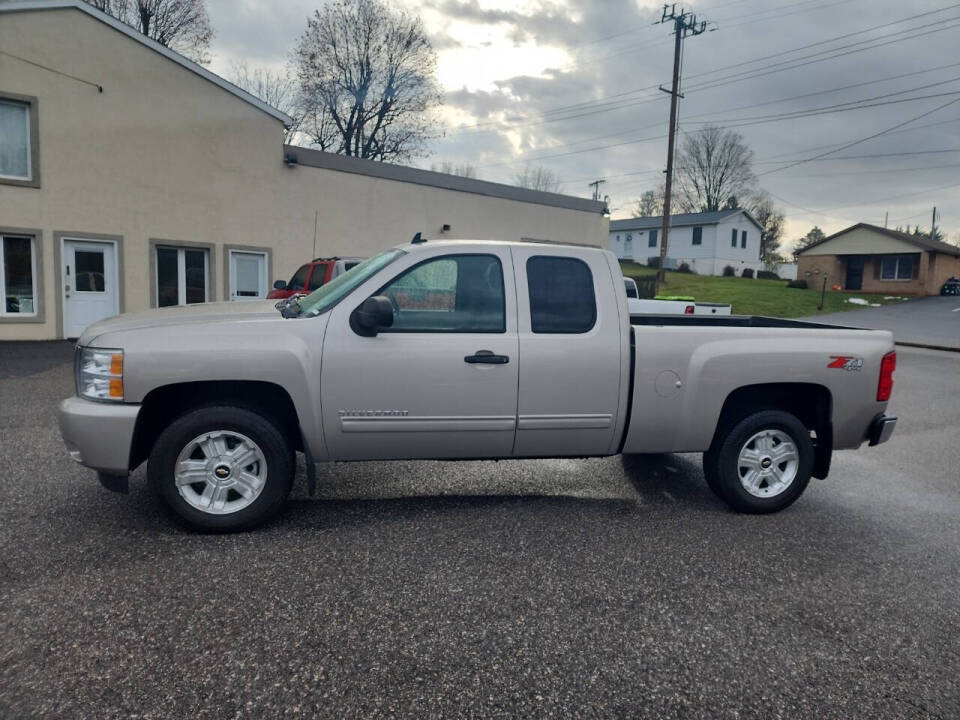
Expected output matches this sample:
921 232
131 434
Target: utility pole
684 24
886 218
596 188
933 224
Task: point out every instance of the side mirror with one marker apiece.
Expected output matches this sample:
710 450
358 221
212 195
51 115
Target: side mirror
280 285
374 314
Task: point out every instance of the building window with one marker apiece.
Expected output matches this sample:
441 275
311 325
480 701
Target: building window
16 141
183 276
733 237
698 236
561 295
653 239
743 239
897 267
18 276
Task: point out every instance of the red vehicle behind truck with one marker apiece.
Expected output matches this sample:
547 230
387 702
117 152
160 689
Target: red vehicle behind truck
311 275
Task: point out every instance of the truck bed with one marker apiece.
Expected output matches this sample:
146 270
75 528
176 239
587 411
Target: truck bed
753 321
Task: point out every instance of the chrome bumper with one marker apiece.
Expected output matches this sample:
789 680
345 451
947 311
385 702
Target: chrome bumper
881 429
99 435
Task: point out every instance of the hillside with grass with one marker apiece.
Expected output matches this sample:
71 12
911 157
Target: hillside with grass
749 296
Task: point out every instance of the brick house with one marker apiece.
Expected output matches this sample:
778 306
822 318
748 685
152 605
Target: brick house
872 259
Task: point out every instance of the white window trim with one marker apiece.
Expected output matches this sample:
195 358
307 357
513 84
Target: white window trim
33 277
182 273
231 287
28 119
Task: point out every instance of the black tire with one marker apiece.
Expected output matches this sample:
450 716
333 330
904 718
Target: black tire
721 462
277 452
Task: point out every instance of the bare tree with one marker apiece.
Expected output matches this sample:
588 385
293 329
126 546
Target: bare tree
538 178
463 170
278 89
367 74
713 165
181 25
650 203
762 208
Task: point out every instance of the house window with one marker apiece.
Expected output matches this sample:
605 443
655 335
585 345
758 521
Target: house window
16 141
698 236
743 239
183 276
733 237
897 267
628 244
18 276
653 239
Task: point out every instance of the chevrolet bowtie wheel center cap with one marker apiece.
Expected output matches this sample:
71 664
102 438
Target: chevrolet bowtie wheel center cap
222 472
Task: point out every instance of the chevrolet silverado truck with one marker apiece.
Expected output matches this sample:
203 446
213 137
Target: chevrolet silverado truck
460 350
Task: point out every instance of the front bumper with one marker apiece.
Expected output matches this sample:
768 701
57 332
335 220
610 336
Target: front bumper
881 429
99 435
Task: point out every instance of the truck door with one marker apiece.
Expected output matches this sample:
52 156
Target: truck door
570 352
440 383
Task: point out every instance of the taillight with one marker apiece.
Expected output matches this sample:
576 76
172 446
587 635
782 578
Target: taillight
688 310
887 366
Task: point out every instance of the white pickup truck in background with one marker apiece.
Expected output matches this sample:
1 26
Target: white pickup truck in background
462 350
638 305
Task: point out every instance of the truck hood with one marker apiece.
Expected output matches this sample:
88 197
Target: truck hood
219 313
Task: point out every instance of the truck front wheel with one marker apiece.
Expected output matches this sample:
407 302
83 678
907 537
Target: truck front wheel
222 468
761 463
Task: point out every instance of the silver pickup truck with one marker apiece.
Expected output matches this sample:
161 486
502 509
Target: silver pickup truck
464 350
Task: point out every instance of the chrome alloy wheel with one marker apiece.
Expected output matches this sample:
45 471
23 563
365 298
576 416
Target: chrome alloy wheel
768 463
220 472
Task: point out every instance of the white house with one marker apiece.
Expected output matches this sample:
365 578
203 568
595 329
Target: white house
707 241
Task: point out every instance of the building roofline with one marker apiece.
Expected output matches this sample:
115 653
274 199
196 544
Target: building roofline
32 5
719 216
360 166
928 245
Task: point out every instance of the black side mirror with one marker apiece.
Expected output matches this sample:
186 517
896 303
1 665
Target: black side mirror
280 285
374 314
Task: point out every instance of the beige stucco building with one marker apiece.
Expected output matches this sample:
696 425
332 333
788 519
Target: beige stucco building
873 259
128 174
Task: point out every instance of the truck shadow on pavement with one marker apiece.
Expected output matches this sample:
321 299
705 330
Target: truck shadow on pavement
667 479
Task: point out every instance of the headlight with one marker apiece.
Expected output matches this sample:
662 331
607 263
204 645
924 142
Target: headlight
100 374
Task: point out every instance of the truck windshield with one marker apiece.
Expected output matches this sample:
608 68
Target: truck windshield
328 295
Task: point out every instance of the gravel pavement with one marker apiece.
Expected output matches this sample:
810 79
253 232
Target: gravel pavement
587 588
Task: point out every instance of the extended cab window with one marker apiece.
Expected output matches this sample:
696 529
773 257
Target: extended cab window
561 295
458 293
317 277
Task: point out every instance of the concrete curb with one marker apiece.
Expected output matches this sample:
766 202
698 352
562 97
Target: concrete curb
927 346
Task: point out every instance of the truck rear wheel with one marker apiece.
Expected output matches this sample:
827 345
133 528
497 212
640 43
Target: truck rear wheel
222 468
761 463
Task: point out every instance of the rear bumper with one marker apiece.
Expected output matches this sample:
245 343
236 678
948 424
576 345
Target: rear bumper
881 429
99 435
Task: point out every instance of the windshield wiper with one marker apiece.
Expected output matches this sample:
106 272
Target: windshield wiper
289 308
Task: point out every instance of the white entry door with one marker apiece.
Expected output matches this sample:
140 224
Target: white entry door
248 275
89 282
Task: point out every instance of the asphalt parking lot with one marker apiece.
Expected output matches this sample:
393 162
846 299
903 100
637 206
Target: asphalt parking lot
594 588
932 321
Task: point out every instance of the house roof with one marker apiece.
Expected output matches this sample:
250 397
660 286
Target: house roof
682 220
134 34
401 173
922 243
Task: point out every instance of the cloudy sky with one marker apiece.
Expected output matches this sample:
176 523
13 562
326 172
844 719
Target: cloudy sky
571 85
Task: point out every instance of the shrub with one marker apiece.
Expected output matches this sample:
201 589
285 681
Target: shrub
799 284
747 273
767 275
728 271
653 262
685 268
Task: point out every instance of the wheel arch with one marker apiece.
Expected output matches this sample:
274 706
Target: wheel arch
164 404
811 403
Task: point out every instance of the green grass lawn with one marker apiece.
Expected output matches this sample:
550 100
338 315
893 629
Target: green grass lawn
753 297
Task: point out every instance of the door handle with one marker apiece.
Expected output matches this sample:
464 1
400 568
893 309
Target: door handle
486 357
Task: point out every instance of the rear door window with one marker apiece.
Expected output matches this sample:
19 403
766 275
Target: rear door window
317 277
562 298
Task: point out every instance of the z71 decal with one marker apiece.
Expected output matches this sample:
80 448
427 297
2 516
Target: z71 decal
846 362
